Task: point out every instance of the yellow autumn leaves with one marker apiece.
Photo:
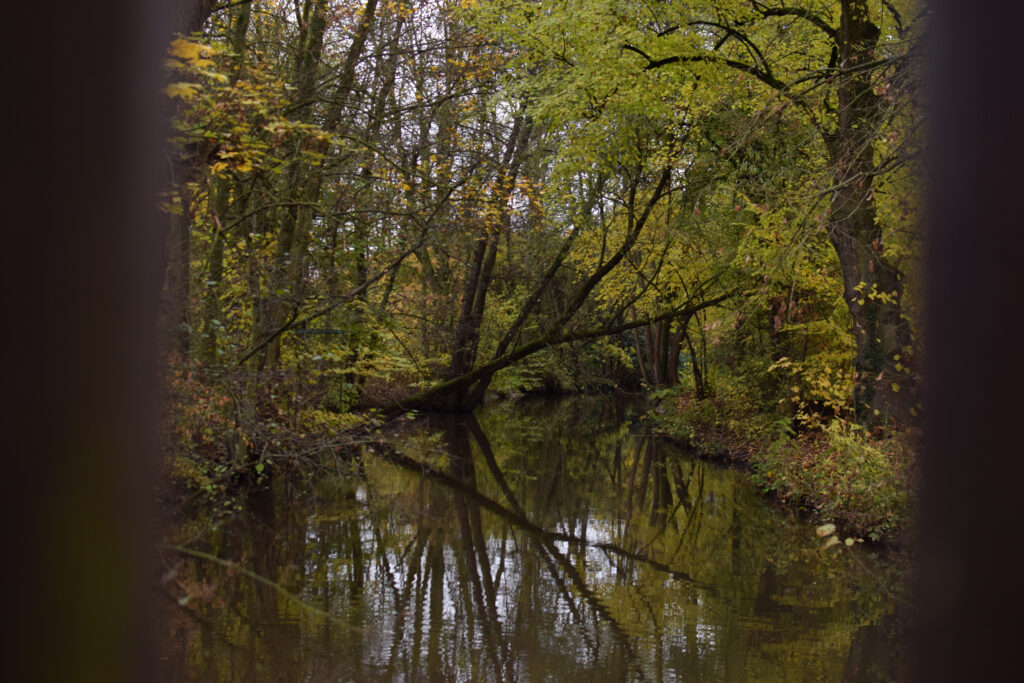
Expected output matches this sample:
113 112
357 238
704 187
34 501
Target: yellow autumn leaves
193 56
196 54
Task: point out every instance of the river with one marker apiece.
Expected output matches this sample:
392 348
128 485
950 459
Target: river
538 540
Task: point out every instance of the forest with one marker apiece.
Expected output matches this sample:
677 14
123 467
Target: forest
378 208
703 215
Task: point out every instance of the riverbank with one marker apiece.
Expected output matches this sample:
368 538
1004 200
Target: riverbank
222 427
862 482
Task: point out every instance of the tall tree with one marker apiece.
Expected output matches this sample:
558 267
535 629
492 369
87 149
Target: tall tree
838 67
840 88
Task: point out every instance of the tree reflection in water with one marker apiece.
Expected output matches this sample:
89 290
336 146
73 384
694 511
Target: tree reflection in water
544 541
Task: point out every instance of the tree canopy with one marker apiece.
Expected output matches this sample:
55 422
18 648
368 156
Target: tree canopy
423 200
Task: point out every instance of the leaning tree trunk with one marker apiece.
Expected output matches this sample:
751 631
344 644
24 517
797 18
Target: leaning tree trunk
871 285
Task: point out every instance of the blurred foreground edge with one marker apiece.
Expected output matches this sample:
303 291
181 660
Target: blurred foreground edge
82 271
968 596
82 164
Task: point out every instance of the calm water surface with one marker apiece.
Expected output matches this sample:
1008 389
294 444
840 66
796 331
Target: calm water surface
538 541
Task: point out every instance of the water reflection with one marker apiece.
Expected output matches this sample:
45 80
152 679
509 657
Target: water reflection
535 542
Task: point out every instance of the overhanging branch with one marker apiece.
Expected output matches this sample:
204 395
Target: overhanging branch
428 397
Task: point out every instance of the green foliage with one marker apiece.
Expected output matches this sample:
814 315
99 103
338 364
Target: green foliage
862 481
726 424
598 366
223 426
845 475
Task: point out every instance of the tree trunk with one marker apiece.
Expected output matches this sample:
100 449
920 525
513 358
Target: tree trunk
658 354
188 16
214 275
220 202
654 359
641 355
177 281
485 251
675 345
700 387
304 182
871 285
275 307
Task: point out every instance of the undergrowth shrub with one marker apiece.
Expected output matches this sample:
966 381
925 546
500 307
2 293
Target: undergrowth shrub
221 423
864 481
844 474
